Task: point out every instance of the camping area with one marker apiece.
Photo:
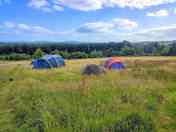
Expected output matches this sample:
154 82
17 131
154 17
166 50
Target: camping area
87 65
140 98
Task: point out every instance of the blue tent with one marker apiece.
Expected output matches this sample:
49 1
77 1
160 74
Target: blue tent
47 62
117 66
114 64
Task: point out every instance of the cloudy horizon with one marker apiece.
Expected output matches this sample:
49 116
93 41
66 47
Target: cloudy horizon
90 20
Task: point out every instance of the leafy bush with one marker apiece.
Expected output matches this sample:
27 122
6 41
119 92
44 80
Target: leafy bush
38 53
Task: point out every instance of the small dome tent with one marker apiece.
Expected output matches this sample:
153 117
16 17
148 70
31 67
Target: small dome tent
48 61
114 64
93 69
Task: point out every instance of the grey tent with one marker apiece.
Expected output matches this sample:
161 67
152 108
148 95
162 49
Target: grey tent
93 69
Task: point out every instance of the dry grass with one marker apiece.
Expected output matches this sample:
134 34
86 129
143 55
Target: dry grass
63 100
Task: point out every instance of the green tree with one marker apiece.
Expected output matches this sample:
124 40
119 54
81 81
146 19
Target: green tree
163 50
127 51
65 54
79 55
55 52
96 54
38 53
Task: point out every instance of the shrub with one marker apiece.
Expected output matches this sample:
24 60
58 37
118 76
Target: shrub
38 53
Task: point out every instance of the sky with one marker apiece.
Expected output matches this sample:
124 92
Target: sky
87 20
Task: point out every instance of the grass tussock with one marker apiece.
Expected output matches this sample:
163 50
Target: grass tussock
141 98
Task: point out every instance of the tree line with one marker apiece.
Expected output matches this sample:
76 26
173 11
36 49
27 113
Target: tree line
27 50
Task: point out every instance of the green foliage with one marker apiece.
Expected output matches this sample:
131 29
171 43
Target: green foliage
96 54
128 51
78 55
15 57
80 50
38 54
55 52
65 54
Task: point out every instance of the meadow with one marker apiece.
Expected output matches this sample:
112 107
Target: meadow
141 98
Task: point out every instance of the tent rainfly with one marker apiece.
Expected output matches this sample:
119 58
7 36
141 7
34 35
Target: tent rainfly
114 64
47 62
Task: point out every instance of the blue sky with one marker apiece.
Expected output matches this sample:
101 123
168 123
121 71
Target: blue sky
87 20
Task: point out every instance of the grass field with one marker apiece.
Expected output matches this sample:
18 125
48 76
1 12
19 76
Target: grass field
141 98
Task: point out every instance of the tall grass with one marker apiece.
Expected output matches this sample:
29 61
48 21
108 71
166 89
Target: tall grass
139 99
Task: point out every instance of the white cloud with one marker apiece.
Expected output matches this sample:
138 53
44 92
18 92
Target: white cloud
140 3
41 30
99 27
83 5
23 27
124 23
100 30
159 13
159 33
95 27
28 29
89 5
38 3
86 5
43 5
105 27
58 8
